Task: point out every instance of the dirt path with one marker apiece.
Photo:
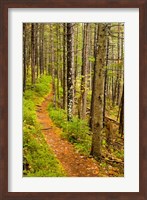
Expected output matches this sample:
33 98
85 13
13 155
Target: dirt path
74 164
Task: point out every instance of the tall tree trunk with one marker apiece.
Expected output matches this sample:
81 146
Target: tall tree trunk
105 79
61 54
119 74
45 56
64 69
36 44
69 72
91 50
96 34
121 123
53 65
32 53
24 57
41 49
98 94
73 68
57 59
112 75
76 59
38 49
85 63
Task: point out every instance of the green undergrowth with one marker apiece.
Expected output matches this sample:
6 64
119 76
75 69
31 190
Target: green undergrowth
38 158
76 131
111 110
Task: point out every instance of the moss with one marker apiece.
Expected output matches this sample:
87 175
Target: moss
38 158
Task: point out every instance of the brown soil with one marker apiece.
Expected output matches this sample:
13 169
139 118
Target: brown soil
74 164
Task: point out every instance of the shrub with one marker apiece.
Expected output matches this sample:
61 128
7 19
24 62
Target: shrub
29 94
29 114
42 86
58 115
76 131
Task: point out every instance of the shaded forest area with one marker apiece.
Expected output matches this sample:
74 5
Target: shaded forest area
81 67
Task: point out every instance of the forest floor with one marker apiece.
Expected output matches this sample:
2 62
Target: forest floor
74 164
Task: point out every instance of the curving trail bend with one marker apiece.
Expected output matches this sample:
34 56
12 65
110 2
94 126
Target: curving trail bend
74 164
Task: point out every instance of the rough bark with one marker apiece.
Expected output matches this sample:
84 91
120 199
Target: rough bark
96 34
24 57
119 72
76 59
53 65
57 59
85 63
121 126
98 94
64 69
105 78
32 54
70 86
36 44
41 49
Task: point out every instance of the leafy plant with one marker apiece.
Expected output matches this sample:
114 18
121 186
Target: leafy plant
76 131
38 158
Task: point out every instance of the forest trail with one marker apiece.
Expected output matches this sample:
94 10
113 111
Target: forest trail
74 164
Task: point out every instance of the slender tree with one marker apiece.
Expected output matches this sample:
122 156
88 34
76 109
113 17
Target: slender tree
33 53
41 49
64 68
121 123
85 63
69 71
24 57
53 64
105 78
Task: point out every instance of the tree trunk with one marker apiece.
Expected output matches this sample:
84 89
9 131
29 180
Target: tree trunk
119 72
85 63
98 94
32 54
69 72
76 60
105 79
121 125
24 57
112 75
64 69
57 59
36 44
53 65
96 34
41 49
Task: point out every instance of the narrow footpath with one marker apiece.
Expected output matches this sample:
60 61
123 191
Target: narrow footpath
74 164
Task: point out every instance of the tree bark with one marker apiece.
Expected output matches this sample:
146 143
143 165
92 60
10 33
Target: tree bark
121 126
32 54
105 78
85 63
41 49
24 57
70 86
96 35
53 65
57 59
64 69
98 94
